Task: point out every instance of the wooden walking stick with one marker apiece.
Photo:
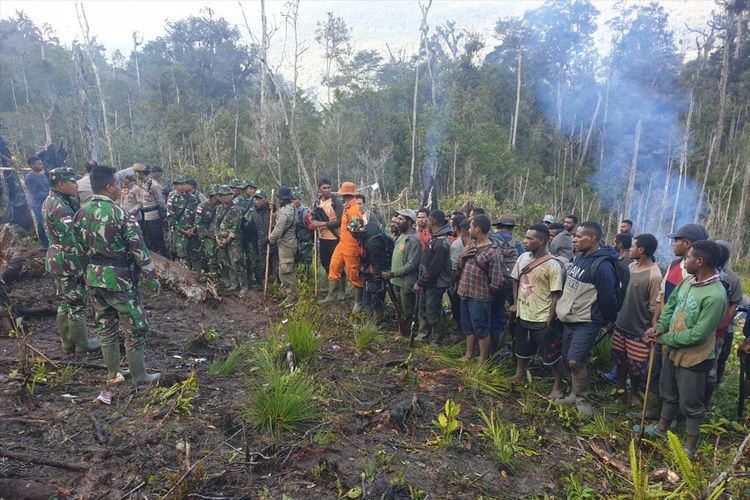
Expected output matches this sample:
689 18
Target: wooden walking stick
315 260
652 353
268 246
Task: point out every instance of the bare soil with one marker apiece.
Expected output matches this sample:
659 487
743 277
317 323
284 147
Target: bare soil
355 444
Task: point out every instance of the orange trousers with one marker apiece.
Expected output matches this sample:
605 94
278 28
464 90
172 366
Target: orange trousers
340 262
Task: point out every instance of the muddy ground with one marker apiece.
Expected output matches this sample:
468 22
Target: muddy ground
352 449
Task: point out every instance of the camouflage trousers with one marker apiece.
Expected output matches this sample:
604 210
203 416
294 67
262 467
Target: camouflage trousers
187 250
210 257
115 311
71 292
252 263
232 264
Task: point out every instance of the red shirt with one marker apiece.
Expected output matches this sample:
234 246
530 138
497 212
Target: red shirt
424 236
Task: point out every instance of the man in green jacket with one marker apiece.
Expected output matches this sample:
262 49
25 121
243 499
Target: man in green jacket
686 328
405 264
284 237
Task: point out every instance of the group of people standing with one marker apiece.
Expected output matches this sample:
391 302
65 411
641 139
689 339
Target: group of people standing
556 290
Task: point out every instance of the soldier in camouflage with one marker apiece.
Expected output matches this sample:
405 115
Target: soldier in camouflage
204 217
64 263
182 219
116 255
231 257
249 244
174 208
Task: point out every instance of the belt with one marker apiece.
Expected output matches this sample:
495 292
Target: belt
101 260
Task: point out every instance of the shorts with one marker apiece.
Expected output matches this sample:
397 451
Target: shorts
475 317
536 337
578 340
631 351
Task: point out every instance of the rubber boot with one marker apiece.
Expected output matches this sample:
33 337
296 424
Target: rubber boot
582 393
79 335
342 288
243 286
333 287
138 368
63 327
357 300
234 285
111 355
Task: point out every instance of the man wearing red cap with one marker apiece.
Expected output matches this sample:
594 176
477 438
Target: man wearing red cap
345 255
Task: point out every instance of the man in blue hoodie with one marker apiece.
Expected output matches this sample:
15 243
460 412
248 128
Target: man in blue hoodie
587 303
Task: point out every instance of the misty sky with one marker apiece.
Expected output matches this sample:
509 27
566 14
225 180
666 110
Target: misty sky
374 23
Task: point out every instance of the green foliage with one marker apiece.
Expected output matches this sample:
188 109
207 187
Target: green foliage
302 336
601 426
281 403
576 490
480 377
228 366
366 333
447 423
638 475
505 439
682 462
600 355
39 375
175 400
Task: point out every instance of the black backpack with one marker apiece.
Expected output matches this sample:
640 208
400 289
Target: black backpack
622 276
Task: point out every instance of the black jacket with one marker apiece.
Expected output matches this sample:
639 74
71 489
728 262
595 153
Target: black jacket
435 264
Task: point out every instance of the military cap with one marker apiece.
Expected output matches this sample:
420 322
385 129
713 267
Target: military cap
192 181
140 167
261 194
236 183
297 194
212 189
180 179
249 183
224 189
62 174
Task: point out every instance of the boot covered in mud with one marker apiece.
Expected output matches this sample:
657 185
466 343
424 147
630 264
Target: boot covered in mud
79 335
111 356
570 399
136 360
333 288
342 288
357 300
63 328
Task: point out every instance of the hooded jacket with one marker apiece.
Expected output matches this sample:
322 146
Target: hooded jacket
435 264
589 298
375 260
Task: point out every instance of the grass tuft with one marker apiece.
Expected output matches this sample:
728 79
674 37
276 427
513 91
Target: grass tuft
301 335
365 334
228 366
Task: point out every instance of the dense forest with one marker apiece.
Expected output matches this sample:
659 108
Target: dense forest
534 119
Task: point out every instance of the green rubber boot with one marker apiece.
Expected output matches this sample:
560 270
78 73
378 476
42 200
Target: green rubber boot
63 327
111 355
333 287
138 368
79 335
342 288
357 300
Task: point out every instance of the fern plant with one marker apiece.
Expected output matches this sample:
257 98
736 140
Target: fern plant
638 474
687 470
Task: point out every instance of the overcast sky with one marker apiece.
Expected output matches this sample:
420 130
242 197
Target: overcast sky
373 23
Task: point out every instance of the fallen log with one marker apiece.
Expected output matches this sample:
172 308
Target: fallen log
179 278
7 241
34 459
30 490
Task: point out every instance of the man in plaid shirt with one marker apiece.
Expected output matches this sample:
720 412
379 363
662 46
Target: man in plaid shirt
481 277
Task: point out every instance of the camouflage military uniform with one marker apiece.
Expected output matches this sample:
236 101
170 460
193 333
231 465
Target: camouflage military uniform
231 257
204 217
249 246
173 207
63 263
182 215
113 244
